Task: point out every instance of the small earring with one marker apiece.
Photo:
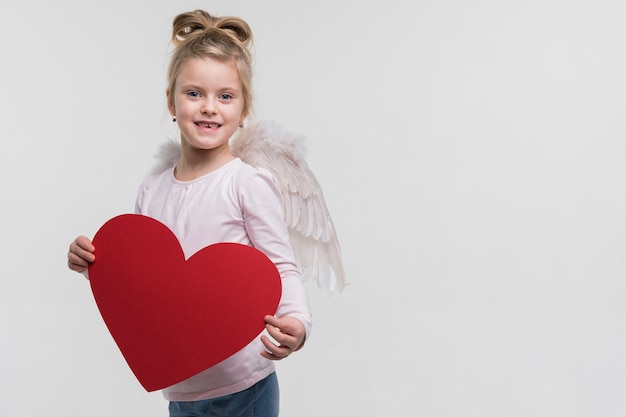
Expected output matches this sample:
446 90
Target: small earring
174 119
241 125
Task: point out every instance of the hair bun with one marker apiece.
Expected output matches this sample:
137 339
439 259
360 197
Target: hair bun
237 26
191 24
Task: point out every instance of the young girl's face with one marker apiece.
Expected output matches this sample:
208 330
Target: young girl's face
208 103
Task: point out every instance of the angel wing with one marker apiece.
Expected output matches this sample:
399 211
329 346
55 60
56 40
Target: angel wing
167 156
311 229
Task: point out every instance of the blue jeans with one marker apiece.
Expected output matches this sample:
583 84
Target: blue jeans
260 400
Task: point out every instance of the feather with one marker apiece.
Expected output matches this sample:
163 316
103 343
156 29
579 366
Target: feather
312 232
311 229
167 155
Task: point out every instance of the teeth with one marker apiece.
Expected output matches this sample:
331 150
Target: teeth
208 125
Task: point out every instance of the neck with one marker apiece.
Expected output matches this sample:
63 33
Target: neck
195 163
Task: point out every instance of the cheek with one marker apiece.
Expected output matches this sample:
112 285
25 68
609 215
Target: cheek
183 107
243 111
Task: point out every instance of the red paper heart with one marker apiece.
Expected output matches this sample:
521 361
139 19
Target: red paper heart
170 317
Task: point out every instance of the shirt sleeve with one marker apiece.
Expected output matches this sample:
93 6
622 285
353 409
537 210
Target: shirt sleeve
263 213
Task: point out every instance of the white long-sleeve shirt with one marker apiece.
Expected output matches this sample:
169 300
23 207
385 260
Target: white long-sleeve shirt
235 203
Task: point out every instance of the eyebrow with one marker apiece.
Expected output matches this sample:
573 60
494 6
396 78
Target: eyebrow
199 86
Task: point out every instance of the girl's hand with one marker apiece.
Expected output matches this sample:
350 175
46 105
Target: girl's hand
288 332
81 254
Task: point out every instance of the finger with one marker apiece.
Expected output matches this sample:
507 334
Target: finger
271 357
274 321
283 325
274 352
77 252
279 347
79 262
280 336
76 266
80 257
75 259
83 242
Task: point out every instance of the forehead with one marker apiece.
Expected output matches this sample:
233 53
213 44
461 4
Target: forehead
209 71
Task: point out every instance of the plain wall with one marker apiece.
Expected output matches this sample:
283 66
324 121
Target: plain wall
472 154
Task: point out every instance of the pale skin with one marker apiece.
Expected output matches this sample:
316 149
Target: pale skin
208 106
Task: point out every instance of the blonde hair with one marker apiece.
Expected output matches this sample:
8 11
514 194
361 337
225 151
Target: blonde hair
198 34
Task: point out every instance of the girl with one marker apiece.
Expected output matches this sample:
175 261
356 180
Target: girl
211 196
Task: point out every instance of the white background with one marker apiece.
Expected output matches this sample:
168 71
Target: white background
472 154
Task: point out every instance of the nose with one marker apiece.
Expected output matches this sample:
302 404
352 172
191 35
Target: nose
208 107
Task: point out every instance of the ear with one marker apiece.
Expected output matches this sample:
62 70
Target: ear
170 102
243 116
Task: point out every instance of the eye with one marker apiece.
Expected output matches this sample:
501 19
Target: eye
193 93
225 96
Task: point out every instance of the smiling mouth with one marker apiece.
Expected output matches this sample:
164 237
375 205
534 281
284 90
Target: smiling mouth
208 125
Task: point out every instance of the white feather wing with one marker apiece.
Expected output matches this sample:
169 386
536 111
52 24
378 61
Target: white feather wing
312 232
167 156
